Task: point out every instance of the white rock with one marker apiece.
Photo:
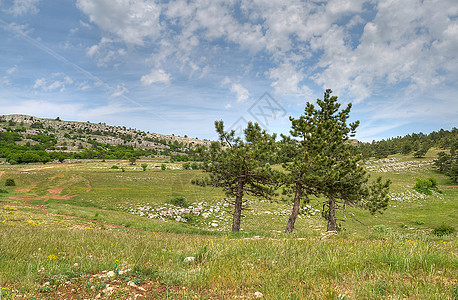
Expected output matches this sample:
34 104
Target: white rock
189 259
258 295
111 274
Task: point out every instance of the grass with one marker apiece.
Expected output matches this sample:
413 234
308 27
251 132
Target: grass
64 227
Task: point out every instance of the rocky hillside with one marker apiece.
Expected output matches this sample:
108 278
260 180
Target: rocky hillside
67 132
25 139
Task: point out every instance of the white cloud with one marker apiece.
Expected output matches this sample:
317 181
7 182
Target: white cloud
53 84
39 83
132 21
83 86
401 45
241 92
23 7
119 91
11 70
105 52
85 25
91 51
226 80
288 81
18 29
156 76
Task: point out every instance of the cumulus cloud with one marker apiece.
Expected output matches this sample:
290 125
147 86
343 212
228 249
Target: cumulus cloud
23 7
132 21
288 81
156 76
105 52
399 46
361 49
52 84
241 92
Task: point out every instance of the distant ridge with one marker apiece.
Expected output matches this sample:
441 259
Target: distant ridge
101 133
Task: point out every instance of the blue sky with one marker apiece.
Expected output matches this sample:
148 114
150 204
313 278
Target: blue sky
176 67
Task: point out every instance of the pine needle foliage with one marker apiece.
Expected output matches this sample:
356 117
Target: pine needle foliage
322 163
241 166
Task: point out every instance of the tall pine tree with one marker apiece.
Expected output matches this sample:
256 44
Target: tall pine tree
241 166
323 164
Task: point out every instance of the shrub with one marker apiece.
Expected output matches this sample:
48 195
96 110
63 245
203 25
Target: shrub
114 167
10 182
186 166
179 201
3 191
144 166
379 228
163 167
443 230
195 166
426 186
203 181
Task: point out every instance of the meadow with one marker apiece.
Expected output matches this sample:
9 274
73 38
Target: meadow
88 230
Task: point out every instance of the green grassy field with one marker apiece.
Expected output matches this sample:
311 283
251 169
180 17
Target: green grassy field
82 231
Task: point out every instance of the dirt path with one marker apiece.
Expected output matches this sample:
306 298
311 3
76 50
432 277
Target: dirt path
60 189
54 193
38 168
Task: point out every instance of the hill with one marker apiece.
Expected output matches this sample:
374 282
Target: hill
69 139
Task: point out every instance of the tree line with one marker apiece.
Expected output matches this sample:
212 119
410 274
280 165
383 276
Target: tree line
416 144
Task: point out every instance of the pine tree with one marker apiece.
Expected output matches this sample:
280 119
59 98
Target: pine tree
241 166
323 163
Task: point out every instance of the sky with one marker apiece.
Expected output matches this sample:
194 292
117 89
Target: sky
174 67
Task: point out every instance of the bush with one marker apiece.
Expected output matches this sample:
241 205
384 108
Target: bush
195 166
163 167
443 230
426 186
3 191
186 166
114 167
144 166
10 182
203 181
179 201
380 228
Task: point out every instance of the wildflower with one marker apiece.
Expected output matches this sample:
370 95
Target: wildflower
51 257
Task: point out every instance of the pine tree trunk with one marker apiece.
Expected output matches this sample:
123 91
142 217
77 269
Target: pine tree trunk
238 207
295 212
332 222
